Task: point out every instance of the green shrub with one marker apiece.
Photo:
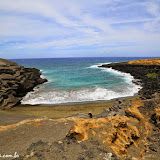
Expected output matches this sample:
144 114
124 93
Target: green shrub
152 75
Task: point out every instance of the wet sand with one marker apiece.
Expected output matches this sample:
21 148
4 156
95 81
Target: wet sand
22 112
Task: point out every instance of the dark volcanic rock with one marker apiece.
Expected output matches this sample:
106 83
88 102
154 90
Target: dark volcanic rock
67 150
15 82
150 85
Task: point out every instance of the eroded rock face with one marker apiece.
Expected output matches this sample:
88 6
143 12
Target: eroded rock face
15 82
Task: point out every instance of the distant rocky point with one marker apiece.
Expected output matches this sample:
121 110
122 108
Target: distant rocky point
15 82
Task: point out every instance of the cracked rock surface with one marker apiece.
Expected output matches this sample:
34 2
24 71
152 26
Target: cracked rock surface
15 82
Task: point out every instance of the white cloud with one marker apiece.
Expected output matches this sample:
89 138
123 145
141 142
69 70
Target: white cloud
68 24
153 8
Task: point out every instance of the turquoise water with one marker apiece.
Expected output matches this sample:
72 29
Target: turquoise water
78 80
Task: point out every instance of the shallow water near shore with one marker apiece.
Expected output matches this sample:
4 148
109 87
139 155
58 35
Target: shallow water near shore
79 80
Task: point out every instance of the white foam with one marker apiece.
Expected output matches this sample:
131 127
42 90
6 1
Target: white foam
126 76
49 80
55 96
42 76
99 64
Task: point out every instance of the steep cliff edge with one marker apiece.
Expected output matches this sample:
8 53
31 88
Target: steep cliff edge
15 82
146 71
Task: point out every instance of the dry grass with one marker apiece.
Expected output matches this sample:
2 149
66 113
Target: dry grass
146 62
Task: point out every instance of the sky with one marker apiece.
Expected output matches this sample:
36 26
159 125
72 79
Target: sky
79 28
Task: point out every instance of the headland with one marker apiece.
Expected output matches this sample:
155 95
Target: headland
15 82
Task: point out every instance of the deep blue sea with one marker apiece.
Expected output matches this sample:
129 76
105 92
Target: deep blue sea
78 80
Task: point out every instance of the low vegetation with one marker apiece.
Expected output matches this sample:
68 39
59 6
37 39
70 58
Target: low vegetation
152 75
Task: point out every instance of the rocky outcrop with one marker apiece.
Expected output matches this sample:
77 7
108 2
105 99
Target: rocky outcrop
15 82
131 136
140 71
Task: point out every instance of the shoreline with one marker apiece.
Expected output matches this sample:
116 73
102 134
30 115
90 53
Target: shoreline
66 109
61 111
70 108
83 102
132 80
141 70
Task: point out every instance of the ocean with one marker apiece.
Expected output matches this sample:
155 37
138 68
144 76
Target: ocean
76 80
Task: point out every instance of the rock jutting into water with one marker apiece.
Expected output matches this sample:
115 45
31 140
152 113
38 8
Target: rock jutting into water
15 82
146 71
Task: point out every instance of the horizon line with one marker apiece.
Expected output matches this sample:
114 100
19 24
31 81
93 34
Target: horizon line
84 57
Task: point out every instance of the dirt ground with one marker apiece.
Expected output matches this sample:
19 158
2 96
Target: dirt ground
19 138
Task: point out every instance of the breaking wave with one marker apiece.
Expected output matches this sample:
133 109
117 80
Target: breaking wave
99 64
41 95
55 96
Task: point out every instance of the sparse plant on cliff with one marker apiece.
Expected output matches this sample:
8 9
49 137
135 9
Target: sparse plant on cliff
152 75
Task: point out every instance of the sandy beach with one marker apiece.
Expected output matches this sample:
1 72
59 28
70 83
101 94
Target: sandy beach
37 131
22 112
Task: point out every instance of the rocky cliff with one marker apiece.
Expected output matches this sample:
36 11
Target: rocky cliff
146 71
15 82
